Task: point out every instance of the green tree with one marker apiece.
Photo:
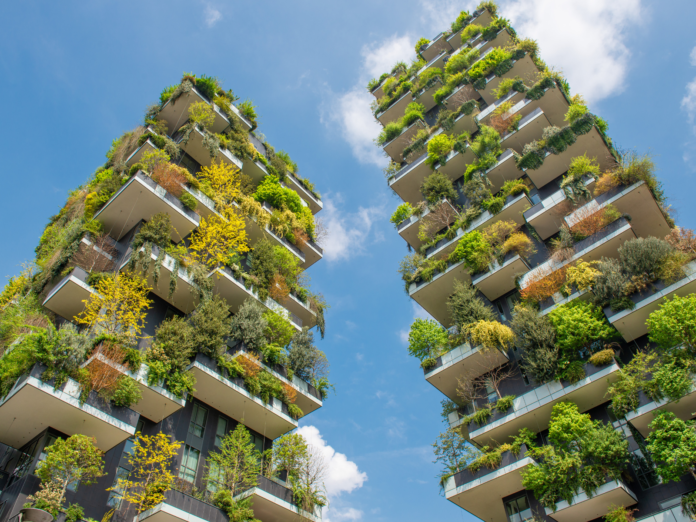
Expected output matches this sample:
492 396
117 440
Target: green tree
452 453
211 326
672 445
426 339
466 307
674 323
535 335
73 461
570 337
236 466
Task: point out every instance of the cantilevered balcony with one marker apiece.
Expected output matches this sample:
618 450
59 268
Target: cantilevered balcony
301 310
228 395
504 170
463 362
196 148
426 95
604 243
438 61
512 211
256 233
464 123
502 39
631 323
308 397
407 182
408 229
547 216
513 97
553 102
255 170
432 295
636 201
68 298
315 204
235 293
157 403
524 68
396 110
585 507
481 492
33 405
460 96
395 147
592 144
673 514
558 299
533 409
482 18
205 206
456 163
529 128
273 502
180 507
500 278
176 113
140 199
137 155
644 414
186 295
435 47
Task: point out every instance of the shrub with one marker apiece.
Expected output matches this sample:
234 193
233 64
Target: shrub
573 372
401 214
674 323
420 43
485 65
465 307
536 337
188 201
487 144
575 111
461 61
470 31
543 284
437 187
248 325
611 285
569 338
127 392
481 416
519 243
619 514
672 444
644 257
590 221
581 275
505 403
438 149
475 250
490 335
427 339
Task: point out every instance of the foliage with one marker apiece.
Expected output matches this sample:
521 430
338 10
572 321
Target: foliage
475 250
211 326
674 323
490 335
536 336
485 65
71 462
437 187
237 464
505 403
672 445
126 393
569 338
519 243
305 470
427 339
152 458
438 148
581 275
218 238
118 307
420 43
452 452
461 61
630 380
602 357
47 498
201 113
156 231
619 514
307 361
224 181
170 355
248 325
466 308
401 214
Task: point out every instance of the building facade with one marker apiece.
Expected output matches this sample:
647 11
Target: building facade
542 255
176 271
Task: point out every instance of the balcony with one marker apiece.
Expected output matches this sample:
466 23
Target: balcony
524 68
408 229
650 221
301 310
592 144
463 362
407 182
547 216
255 170
642 416
505 170
256 233
273 502
140 199
315 204
137 156
396 110
584 507
500 279
481 492
456 163
395 147
464 123
435 47
553 103
631 323
673 514
604 243
205 206
514 97
180 507
186 295
502 39
529 128
533 409
235 293
432 295
67 299
550 304
438 61
195 147
482 18
308 397
426 95
33 405
177 113
229 396
512 211
157 403
460 96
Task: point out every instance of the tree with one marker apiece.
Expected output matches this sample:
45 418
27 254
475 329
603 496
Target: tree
452 452
672 445
248 325
211 326
535 335
307 361
118 307
427 339
470 390
569 337
218 238
224 181
152 459
465 306
98 256
674 323
236 466
73 461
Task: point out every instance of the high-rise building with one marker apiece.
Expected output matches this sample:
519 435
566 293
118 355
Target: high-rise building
167 297
560 288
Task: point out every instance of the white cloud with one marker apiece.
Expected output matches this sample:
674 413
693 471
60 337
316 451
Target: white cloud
692 57
342 476
348 233
380 57
688 103
212 15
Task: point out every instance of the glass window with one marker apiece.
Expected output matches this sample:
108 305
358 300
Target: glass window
197 425
512 300
214 477
518 509
647 476
501 311
189 464
221 431
115 494
492 394
131 440
670 502
257 441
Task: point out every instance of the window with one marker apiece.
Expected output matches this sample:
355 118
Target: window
131 441
670 502
501 311
535 198
647 476
214 477
518 509
221 431
492 394
197 425
512 300
189 464
258 442
115 494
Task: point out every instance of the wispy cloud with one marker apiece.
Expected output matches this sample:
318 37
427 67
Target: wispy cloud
211 15
688 105
349 233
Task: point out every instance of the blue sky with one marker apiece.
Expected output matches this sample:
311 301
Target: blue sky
76 76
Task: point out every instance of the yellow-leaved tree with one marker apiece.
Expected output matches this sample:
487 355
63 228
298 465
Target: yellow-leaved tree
218 238
152 459
118 307
225 182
